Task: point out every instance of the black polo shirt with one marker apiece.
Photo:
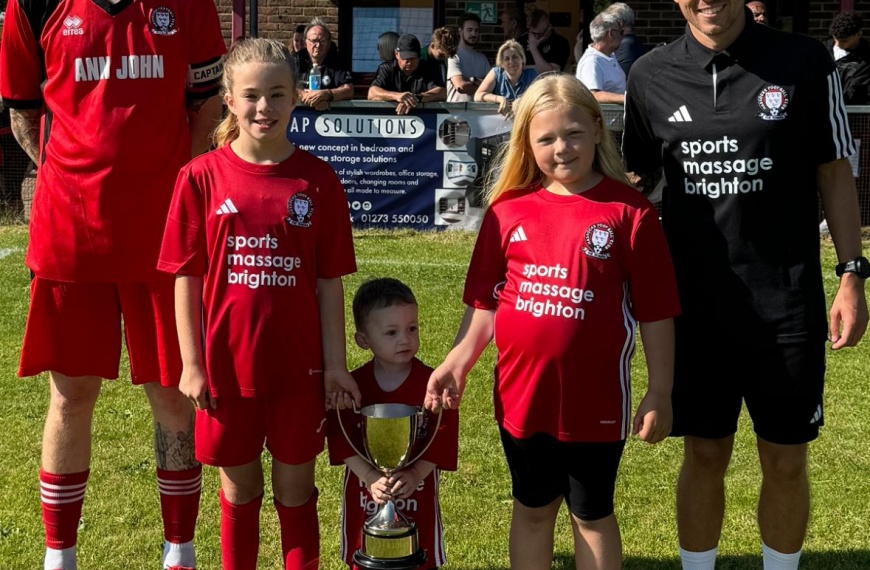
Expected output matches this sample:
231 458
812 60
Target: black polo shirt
740 134
425 77
555 49
333 74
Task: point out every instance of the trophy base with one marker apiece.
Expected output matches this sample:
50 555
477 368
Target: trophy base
411 562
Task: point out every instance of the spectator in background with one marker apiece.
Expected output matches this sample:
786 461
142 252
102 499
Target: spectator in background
440 49
545 49
630 48
466 69
387 46
336 83
513 23
15 166
508 79
407 80
578 51
851 52
598 69
297 44
759 11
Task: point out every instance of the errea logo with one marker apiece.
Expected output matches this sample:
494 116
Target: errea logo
72 26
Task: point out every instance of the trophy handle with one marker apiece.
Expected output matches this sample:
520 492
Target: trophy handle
431 439
350 442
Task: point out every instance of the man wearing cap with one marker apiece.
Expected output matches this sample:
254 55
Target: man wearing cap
468 67
408 81
336 83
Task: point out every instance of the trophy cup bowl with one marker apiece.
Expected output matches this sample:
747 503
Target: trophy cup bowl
389 539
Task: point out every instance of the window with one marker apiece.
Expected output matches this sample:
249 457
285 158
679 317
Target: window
372 18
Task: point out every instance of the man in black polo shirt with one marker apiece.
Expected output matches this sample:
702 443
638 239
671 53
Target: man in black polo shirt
749 126
546 50
408 81
336 83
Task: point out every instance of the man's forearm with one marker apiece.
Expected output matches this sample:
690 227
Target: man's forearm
25 128
343 93
203 117
608 97
380 94
840 204
434 94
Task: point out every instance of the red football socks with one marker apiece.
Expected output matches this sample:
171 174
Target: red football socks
240 534
62 497
300 535
179 502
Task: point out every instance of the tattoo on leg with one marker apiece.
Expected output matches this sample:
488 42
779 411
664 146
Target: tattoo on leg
174 451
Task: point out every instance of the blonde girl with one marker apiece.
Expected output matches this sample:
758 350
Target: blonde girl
569 258
258 236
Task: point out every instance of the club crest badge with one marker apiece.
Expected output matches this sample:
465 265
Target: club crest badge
299 209
599 240
773 101
162 21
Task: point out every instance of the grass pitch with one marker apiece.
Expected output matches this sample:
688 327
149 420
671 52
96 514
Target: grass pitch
120 526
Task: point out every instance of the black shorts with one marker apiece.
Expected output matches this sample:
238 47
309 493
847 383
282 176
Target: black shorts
544 469
782 384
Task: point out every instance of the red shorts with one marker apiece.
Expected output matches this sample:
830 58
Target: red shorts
75 329
291 425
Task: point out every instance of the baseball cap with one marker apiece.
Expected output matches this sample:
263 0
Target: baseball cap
408 46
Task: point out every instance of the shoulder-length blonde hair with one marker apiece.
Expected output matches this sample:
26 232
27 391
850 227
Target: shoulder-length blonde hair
515 167
510 44
252 50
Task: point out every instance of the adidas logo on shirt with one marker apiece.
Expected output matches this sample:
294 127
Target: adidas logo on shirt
681 116
519 235
227 208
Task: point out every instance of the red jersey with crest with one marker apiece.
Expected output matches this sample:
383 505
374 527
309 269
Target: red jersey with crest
262 235
568 277
422 506
115 130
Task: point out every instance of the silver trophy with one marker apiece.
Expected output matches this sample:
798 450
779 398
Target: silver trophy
389 431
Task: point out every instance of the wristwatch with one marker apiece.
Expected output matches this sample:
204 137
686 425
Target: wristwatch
859 266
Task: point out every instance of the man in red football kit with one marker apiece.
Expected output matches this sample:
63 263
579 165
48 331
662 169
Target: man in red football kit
125 91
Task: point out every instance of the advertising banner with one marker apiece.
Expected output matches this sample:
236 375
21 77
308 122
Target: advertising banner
423 171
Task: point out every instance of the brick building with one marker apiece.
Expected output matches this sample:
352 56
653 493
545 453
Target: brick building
355 23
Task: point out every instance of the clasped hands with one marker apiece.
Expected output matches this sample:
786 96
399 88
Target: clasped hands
400 485
406 102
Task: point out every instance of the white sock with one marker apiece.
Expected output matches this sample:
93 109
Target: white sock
698 560
178 554
774 560
64 559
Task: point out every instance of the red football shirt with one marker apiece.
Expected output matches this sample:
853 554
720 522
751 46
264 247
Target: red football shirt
261 235
422 506
568 277
115 131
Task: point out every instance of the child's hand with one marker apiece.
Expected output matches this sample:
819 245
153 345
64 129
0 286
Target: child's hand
194 385
444 389
341 390
404 482
379 488
654 417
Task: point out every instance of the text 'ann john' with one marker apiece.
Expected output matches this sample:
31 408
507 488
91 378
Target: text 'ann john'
125 67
